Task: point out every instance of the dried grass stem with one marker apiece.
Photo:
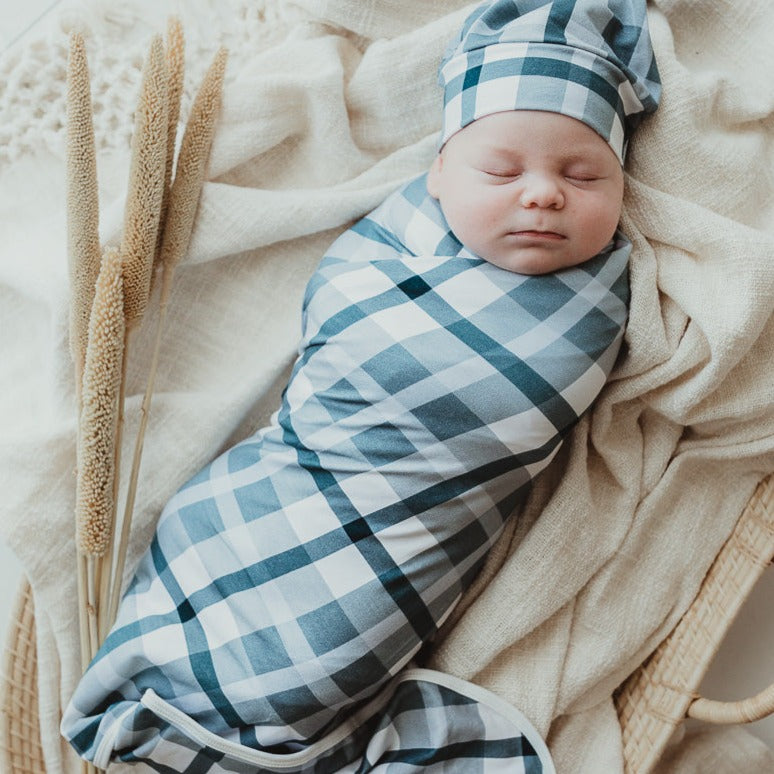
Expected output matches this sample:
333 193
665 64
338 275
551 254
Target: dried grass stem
146 185
191 169
184 198
99 415
83 250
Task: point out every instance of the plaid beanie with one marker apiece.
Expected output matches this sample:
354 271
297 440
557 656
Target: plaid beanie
588 59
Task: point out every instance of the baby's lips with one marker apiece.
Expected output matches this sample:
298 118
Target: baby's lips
538 234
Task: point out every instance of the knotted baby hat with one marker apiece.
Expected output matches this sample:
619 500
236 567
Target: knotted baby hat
588 59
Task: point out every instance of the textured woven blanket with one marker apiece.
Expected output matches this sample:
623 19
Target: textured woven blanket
298 573
330 105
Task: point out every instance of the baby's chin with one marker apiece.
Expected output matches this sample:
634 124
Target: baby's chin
534 263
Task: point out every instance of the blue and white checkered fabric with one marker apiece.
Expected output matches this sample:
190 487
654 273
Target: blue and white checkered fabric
423 719
297 574
588 59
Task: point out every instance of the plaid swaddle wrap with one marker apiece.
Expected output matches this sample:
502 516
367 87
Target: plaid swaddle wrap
293 578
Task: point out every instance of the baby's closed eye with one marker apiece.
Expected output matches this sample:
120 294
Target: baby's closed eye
500 173
583 175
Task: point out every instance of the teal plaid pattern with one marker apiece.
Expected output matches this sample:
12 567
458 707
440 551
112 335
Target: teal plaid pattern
297 574
420 721
586 59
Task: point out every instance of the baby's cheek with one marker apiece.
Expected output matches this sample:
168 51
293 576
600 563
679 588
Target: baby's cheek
487 211
602 217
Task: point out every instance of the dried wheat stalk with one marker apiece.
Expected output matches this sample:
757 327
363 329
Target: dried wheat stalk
83 251
139 238
110 296
102 376
191 169
175 57
101 383
83 248
146 184
178 226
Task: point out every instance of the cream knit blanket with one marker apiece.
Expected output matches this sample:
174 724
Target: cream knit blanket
328 106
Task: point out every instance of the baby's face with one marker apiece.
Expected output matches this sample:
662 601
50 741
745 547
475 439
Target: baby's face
529 191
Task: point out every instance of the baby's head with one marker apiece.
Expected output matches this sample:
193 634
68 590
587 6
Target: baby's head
540 99
531 192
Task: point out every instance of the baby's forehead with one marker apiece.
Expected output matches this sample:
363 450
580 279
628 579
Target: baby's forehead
516 132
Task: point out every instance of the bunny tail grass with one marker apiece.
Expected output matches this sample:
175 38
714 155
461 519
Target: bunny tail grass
82 203
146 184
183 201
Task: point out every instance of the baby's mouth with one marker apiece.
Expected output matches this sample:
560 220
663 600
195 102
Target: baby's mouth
537 234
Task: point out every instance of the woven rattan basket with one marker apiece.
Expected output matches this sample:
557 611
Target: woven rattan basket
661 693
20 748
651 704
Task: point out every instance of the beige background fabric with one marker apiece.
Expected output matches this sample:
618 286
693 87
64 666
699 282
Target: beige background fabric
328 106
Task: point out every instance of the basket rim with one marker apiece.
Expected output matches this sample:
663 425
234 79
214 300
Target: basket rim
655 699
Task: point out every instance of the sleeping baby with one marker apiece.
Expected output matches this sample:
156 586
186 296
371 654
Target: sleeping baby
451 340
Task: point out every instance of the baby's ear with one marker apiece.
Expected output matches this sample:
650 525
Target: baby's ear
434 177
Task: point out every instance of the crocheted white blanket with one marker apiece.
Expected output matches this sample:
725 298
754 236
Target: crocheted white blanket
328 106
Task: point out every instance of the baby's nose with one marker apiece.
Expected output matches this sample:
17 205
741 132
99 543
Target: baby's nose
541 191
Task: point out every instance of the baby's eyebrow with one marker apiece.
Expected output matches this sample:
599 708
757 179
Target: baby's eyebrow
513 156
498 155
580 155
503 150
